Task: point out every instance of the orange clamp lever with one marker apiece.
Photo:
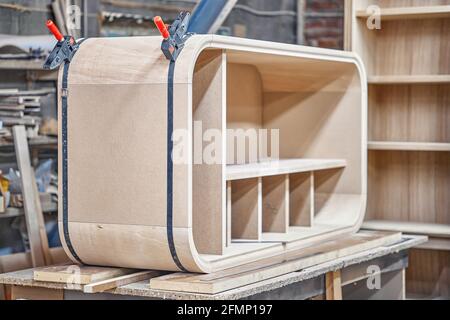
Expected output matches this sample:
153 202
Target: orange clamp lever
161 27
54 29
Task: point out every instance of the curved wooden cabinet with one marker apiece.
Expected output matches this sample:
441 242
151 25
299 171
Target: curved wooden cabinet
128 201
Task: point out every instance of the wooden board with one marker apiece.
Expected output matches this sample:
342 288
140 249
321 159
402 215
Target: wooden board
76 274
33 213
333 288
208 217
281 167
428 229
115 282
301 203
254 272
424 12
409 146
409 79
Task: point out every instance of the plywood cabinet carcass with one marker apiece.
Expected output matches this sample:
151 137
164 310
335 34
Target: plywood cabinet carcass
152 174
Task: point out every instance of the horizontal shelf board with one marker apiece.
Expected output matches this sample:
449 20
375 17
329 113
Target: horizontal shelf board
13 212
293 234
410 79
429 229
408 146
35 142
238 249
401 13
12 64
439 244
280 167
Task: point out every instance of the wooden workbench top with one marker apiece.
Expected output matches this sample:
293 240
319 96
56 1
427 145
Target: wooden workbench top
142 288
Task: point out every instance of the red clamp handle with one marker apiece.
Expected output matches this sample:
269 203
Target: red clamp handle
161 27
54 29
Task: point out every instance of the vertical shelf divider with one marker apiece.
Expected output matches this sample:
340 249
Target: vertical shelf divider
246 209
228 213
275 204
301 199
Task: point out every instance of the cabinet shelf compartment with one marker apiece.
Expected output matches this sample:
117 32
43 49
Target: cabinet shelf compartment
417 113
399 52
246 209
409 186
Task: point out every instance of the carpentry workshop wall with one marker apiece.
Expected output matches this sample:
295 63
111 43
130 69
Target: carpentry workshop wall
124 121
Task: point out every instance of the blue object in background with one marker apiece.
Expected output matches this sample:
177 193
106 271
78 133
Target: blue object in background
44 175
53 234
205 14
6 251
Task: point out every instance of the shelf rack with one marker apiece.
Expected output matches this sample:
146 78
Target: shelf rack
33 68
273 201
409 141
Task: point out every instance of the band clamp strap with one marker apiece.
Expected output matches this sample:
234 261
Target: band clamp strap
65 198
170 238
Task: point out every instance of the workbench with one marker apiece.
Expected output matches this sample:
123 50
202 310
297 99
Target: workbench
348 277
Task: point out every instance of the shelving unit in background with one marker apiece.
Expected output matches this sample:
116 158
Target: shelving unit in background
33 68
408 64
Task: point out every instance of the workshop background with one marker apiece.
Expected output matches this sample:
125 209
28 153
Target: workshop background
28 98
313 23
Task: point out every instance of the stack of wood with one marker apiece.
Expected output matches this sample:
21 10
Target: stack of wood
21 108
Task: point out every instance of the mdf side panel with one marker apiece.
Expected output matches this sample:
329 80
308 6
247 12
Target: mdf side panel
208 185
117 154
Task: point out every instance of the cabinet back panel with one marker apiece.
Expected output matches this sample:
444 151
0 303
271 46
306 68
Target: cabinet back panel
409 186
410 113
412 47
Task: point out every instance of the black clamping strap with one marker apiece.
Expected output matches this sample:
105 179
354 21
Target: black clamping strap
170 239
65 199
